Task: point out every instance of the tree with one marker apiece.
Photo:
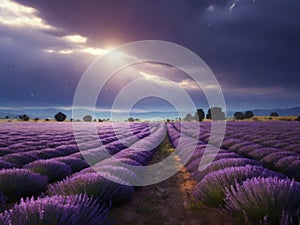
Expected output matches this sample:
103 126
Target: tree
36 119
249 114
87 118
60 117
199 115
298 118
7 117
239 116
130 119
215 113
24 117
188 117
274 114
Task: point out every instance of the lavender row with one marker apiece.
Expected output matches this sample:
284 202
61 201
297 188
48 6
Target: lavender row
21 137
240 185
274 158
21 158
85 187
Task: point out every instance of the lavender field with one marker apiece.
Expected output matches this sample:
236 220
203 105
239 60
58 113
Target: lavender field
45 179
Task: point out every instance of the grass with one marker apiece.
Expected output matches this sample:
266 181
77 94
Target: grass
195 206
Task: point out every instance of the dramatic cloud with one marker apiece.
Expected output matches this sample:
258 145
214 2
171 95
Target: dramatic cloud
252 47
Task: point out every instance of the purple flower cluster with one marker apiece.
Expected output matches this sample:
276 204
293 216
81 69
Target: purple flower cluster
237 179
221 165
75 163
54 210
94 185
53 169
33 154
17 183
269 200
260 141
211 189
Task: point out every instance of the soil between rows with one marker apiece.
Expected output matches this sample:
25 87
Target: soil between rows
169 202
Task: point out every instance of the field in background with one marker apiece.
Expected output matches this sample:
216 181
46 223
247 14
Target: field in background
255 118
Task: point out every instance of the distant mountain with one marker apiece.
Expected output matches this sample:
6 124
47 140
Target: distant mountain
40 113
50 112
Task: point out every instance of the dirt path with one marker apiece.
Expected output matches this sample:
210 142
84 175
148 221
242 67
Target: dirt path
168 203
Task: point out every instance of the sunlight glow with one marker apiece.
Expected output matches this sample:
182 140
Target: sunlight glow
14 14
94 51
187 84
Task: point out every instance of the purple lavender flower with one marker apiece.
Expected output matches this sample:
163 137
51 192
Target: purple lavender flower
94 185
114 147
53 169
237 146
48 153
261 152
294 148
67 210
20 159
211 189
75 163
243 150
290 166
107 169
230 142
270 199
271 159
17 183
6 165
222 164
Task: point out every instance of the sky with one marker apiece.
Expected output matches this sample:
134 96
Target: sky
251 46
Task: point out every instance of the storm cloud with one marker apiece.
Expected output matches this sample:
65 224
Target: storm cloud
252 46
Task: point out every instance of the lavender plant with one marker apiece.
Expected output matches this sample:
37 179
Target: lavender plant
270 200
53 169
211 189
17 183
94 185
55 210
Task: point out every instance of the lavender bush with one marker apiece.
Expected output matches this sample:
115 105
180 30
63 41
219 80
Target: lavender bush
53 169
269 200
94 185
262 152
222 164
55 210
75 163
272 158
17 183
6 165
211 189
20 159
